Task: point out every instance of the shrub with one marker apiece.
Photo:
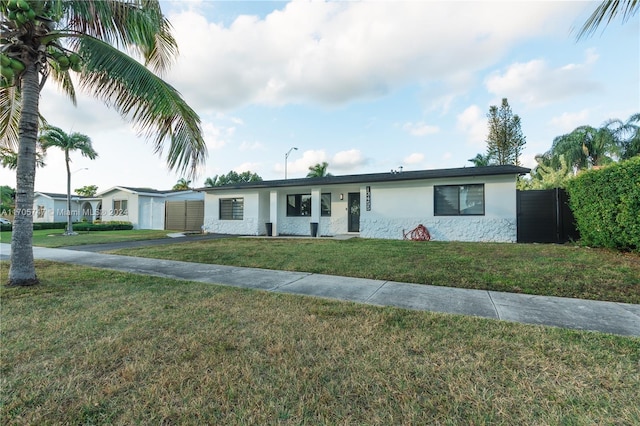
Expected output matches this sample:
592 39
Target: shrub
50 225
105 226
606 205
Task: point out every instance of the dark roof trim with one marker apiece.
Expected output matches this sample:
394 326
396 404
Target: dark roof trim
377 177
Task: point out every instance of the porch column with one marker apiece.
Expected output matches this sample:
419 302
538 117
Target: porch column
273 211
315 208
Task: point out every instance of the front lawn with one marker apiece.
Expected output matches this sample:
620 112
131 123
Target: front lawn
543 269
55 237
91 346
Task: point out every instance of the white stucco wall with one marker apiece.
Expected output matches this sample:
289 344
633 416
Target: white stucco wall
400 208
396 207
253 222
55 210
132 207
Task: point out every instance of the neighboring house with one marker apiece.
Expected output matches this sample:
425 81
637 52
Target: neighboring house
143 207
50 207
464 204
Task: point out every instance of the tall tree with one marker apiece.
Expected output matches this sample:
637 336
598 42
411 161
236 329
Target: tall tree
319 170
56 137
210 182
627 135
9 158
46 39
585 147
505 140
182 185
231 178
606 12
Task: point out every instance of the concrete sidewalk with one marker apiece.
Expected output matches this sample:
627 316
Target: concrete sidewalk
607 317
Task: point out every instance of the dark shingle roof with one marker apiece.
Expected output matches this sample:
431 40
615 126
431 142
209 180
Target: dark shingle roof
378 177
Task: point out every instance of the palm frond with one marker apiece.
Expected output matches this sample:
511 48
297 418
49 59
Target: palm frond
143 98
10 111
137 24
606 12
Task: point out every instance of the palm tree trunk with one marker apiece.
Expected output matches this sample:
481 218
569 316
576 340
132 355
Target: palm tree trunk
22 271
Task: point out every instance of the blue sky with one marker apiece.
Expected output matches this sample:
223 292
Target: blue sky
365 86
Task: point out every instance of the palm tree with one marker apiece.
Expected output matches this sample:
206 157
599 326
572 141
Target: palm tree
182 185
319 170
56 137
210 182
9 158
627 134
585 147
481 160
90 38
608 10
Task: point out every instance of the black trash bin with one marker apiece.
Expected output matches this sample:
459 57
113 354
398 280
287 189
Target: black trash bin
314 229
269 226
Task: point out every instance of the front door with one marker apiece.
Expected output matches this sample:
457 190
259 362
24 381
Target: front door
354 211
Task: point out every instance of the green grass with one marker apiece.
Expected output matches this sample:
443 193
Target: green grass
91 346
543 269
55 237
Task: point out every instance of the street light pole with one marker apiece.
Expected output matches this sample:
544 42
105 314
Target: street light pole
286 157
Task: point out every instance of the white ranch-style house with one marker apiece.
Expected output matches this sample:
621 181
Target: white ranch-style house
52 207
462 204
145 208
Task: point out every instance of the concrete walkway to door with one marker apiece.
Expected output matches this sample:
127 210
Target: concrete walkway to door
606 317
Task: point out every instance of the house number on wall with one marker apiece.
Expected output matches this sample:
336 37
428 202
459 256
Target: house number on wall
368 198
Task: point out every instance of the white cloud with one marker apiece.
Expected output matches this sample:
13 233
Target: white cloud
473 122
537 83
213 136
415 158
247 166
336 52
567 121
347 160
420 129
251 146
297 166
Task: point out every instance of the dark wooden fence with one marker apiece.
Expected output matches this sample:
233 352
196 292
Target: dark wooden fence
544 216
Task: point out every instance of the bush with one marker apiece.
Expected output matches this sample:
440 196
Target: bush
50 225
104 226
78 226
606 205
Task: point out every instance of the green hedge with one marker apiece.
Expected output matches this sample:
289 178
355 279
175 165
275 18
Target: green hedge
78 226
105 226
606 205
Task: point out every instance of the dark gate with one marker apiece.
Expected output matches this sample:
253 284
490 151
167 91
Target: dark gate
186 215
544 216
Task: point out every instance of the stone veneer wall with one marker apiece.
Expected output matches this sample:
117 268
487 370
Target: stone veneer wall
444 228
